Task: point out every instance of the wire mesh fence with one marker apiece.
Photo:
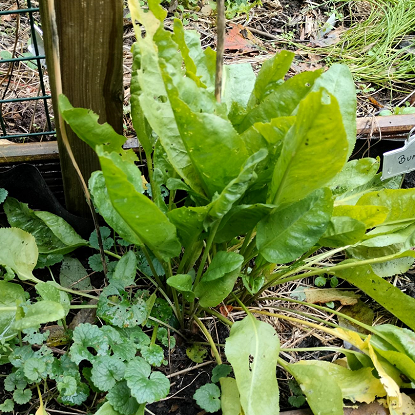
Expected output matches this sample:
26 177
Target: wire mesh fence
25 101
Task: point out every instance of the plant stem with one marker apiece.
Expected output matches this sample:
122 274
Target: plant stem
247 239
331 270
81 307
210 340
154 335
219 316
112 254
81 294
151 265
321 349
206 251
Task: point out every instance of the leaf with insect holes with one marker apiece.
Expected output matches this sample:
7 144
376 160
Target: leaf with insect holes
146 386
252 349
220 371
121 400
7 406
121 345
21 396
115 307
207 397
87 336
64 367
106 372
34 369
153 354
196 353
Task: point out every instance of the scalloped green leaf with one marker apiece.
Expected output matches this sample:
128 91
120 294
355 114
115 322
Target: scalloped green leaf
207 397
106 372
146 386
121 400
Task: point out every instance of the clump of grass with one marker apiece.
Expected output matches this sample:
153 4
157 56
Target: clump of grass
377 49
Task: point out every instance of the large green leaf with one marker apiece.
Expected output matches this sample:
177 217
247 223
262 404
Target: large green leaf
102 201
236 187
11 295
214 147
237 84
240 220
282 101
219 279
342 231
189 222
271 75
392 298
355 173
370 215
144 218
339 82
229 398
40 313
323 395
291 230
18 251
84 123
252 349
52 233
356 385
400 203
154 100
317 139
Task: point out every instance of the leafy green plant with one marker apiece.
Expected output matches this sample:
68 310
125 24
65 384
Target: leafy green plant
259 193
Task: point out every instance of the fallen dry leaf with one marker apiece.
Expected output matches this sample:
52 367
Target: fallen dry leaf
225 310
9 17
326 295
240 38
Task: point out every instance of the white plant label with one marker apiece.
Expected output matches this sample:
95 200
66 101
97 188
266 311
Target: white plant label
400 161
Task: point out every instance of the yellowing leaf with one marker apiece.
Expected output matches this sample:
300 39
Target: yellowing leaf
325 295
391 387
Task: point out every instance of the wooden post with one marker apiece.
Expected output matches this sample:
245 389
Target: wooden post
91 50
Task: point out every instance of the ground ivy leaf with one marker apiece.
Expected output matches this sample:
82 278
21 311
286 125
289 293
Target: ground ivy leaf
121 400
106 371
107 242
115 308
64 367
8 404
145 386
165 339
20 355
21 396
67 386
207 397
85 336
34 369
32 336
15 380
220 371
153 354
80 396
121 345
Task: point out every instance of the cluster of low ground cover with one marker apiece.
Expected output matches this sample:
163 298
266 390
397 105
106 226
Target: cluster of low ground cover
291 334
